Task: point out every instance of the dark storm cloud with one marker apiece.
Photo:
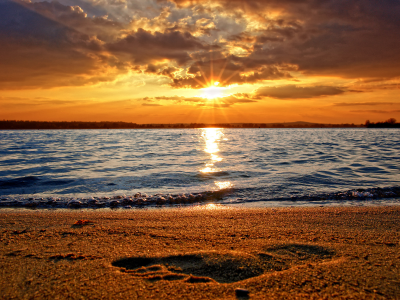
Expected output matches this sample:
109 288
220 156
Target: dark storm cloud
298 92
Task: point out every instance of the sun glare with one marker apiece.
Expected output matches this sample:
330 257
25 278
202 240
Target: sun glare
213 91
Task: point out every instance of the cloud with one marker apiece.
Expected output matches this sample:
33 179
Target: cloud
20 103
143 47
151 104
362 103
228 101
75 42
236 99
75 17
39 52
226 70
176 99
350 39
376 111
377 84
297 92
49 44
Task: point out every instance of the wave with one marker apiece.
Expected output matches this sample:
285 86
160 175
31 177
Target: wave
225 196
19 182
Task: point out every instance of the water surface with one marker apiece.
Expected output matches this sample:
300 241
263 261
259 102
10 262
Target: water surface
254 165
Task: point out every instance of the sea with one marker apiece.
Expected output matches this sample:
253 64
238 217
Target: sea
153 168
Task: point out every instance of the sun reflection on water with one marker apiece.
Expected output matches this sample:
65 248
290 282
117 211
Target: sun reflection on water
211 206
223 184
212 138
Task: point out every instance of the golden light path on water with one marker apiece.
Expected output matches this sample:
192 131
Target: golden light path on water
210 206
212 138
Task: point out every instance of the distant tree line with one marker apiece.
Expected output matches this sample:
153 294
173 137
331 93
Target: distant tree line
389 123
6 124
23 125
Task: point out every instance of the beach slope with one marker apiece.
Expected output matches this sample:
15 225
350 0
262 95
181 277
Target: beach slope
201 253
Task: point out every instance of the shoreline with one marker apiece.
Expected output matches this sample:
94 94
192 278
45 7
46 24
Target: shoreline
203 252
361 196
369 203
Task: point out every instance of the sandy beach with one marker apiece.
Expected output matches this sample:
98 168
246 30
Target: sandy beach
201 253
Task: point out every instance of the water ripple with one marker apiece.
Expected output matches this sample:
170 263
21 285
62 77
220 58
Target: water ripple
260 164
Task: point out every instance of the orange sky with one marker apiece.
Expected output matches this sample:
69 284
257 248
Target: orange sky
177 61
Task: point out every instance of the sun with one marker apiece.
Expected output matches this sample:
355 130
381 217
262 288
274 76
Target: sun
213 91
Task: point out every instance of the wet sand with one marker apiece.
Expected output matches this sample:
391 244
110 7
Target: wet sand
203 253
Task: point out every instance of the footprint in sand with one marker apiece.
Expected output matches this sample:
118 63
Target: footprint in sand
222 267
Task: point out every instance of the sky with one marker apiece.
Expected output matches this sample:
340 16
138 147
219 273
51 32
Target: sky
188 61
